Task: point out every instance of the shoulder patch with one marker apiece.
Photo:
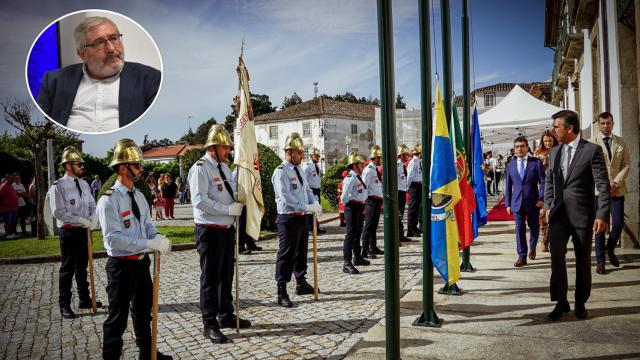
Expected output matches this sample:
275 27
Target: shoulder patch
280 167
349 175
108 192
200 162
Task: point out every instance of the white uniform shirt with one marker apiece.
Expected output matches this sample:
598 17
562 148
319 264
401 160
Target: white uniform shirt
312 174
291 196
209 196
370 178
414 171
353 189
67 205
402 178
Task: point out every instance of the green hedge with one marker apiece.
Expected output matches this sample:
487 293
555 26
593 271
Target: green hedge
330 181
141 185
269 161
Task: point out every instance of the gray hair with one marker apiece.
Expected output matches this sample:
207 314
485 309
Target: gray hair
80 33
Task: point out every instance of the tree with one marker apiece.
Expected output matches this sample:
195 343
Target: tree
293 100
400 104
351 98
18 115
260 104
200 135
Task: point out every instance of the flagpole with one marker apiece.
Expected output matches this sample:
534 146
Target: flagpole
390 185
428 316
445 20
466 90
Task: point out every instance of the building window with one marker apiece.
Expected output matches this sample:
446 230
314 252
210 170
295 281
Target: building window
306 129
354 128
489 99
307 151
273 132
274 148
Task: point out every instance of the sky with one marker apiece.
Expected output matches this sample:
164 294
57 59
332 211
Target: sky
289 44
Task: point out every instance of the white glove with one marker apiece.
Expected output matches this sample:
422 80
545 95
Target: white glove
235 209
160 243
94 222
86 223
314 208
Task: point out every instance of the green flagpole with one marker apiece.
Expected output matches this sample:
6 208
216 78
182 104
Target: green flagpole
390 183
466 266
428 316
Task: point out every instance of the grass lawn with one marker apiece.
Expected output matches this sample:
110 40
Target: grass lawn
326 207
31 246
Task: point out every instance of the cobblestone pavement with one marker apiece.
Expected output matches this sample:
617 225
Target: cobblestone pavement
31 325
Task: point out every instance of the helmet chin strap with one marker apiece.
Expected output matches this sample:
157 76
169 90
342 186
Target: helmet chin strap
133 176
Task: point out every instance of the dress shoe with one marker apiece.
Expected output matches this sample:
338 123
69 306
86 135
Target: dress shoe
361 261
283 297
66 312
255 247
160 356
532 255
215 335
613 259
348 268
600 268
580 311
322 231
406 238
86 304
229 322
343 224
520 262
303 287
562 307
370 255
375 250
245 251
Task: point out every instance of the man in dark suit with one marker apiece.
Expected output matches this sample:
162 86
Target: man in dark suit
524 191
576 169
104 92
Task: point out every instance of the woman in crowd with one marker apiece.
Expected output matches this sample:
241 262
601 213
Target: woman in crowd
547 141
169 190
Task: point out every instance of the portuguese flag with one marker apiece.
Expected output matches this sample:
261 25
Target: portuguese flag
464 209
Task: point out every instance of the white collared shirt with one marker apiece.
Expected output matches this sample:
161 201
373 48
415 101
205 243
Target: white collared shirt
574 146
68 204
95 107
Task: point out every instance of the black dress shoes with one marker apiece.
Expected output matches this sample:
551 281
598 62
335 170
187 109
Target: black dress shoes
229 322
303 287
86 304
562 307
348 268
245 251
255 247
580 311
66 312
215 335
361 261
613 259
377 251
322 231
405 239
283 297
160 356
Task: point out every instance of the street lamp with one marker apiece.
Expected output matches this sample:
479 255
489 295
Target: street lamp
347 141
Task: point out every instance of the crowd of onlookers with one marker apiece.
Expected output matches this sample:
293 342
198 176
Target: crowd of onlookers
165 191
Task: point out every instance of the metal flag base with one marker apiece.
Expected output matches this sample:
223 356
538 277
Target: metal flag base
428 321
450 290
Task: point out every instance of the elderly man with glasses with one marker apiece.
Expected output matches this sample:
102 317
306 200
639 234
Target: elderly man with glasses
103 93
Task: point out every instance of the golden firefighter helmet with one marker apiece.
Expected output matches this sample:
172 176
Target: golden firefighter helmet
218 135
403 150
293 142
376 151
126 152
353 158
417 149
314 151
70 154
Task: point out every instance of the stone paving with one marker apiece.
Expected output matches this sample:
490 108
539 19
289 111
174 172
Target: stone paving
31 325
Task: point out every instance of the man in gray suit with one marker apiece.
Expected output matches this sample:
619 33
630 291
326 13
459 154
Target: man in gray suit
576 169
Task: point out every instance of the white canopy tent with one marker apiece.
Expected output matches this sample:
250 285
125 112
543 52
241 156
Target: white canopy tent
519 113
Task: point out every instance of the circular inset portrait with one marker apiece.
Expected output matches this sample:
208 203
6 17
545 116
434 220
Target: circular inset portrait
79 76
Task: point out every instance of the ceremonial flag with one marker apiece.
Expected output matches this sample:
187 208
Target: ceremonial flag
465 208
445 194
479 188
246 156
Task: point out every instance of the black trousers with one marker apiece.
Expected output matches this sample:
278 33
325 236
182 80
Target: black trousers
353 213
293 247
371 219
415 193
316 192
73 250
560 230
216 249
129 286
402 201
246 241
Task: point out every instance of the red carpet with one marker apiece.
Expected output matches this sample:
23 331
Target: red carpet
499 212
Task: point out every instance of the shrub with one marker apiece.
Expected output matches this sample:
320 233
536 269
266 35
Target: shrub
269 161
141 185
330 181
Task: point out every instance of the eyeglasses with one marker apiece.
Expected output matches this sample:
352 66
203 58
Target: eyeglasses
136 166
78 164
114 39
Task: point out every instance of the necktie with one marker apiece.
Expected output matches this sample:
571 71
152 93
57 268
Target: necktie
78 186
521 168
567 160
404 168
362 182
608 145
298 175
378 173
134 205
224 180
317 169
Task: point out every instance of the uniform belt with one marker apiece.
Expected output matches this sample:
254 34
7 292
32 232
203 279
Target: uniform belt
298 213
215 226
375 197
416 182
357 202
72 226
131 257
